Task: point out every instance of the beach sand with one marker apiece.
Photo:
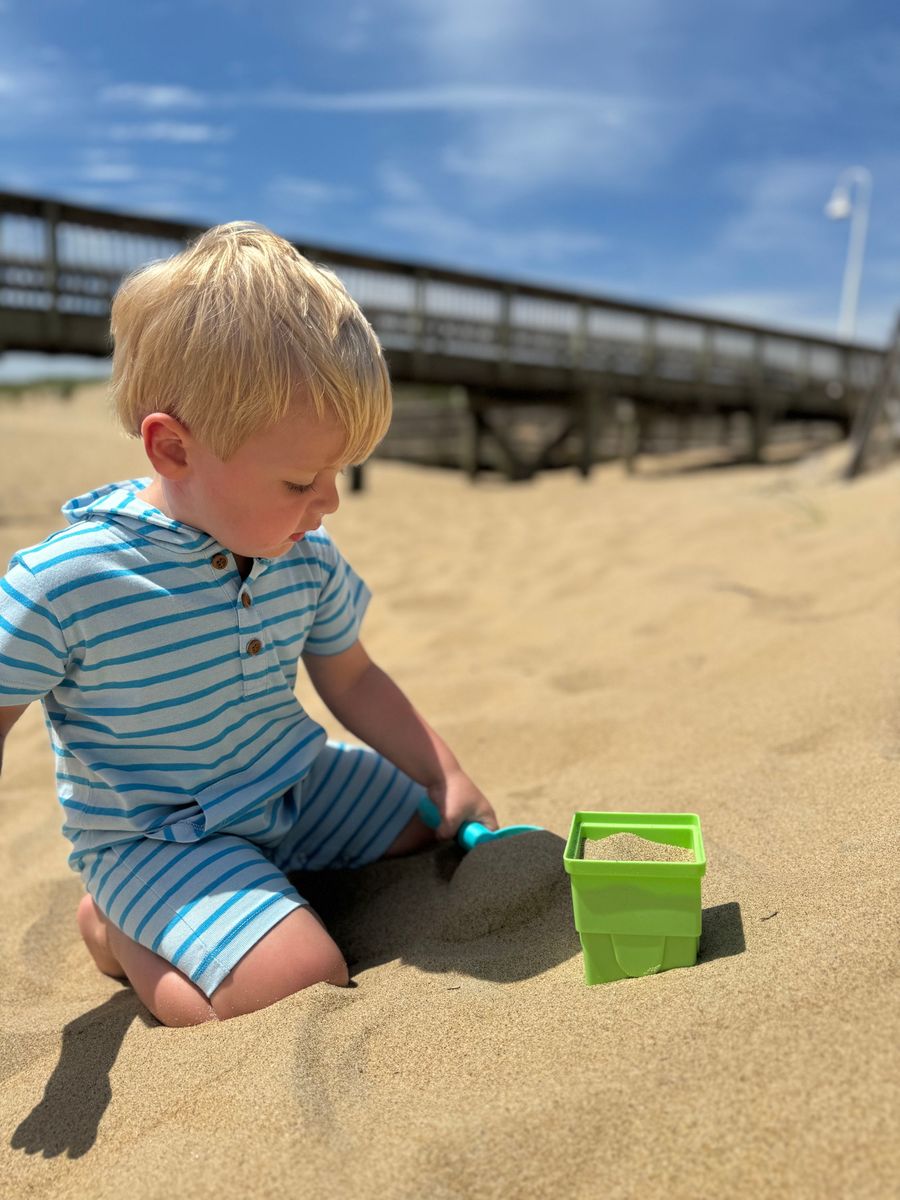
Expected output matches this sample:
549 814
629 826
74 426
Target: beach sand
722 642
632 847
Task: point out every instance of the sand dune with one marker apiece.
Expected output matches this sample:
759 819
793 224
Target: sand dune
721 642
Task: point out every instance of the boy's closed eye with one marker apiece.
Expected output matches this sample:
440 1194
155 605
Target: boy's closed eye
304 487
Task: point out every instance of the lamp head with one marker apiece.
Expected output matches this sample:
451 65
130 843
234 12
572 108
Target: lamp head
839 205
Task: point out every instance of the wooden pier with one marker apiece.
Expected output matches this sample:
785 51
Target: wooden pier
580 365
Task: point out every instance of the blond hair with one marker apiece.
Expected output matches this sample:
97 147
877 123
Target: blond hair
222 336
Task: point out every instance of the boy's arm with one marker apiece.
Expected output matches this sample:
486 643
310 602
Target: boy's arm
368 703
8 718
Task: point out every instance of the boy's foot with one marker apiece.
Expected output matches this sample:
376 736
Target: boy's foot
93 926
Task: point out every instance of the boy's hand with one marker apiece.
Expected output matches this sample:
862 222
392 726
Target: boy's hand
459 800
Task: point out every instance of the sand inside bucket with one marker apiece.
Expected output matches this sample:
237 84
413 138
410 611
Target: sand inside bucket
630 847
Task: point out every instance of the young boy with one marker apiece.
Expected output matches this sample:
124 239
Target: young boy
162 630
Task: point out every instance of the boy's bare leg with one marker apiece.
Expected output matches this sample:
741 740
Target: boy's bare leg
415 835
296 953
93 926
165 990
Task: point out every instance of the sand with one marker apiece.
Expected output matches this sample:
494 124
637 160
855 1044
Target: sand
631 847
714 641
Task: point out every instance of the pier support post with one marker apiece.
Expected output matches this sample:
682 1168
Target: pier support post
761 424
628 420
590 401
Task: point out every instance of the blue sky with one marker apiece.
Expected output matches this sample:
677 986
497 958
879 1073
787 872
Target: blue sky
671 151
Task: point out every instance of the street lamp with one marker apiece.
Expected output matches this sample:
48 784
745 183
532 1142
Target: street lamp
838 207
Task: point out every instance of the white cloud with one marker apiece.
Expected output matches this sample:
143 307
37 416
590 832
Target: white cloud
153 95
110 172
449 98
511 139
468 34
26 93
170 131
114 180
615 142
783 206
288 190
522 139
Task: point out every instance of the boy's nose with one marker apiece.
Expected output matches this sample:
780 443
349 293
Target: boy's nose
330 498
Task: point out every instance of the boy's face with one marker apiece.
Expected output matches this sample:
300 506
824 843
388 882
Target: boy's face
275 489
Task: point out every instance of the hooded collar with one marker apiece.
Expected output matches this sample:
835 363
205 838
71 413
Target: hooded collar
118 504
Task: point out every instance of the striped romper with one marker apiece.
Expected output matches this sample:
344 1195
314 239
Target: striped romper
190 776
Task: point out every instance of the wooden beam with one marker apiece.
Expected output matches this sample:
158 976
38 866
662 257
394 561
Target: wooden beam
516 467
470 448
543 458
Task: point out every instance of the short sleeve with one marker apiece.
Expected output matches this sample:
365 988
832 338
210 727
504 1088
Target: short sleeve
342 602
33 652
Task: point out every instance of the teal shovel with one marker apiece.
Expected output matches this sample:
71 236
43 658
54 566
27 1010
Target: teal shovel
470 833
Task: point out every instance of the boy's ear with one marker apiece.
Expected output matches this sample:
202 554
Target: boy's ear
166 444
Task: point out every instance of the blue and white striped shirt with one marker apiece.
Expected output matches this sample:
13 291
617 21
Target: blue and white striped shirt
167 681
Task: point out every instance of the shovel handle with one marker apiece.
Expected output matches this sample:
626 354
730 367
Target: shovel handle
470 833
469 830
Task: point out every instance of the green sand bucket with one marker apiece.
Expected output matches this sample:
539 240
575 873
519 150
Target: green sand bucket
636 918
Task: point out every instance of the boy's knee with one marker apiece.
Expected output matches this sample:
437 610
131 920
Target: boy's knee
295 954
177 1003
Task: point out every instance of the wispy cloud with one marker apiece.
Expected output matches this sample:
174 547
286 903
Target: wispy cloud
311 190
133 183
469 35
615 142
449 98
27 93
518 138
110 172
170 131
299 197
432 229
153 96
780 206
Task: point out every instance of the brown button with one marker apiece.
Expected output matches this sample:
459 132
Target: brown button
246 599
219 561
254 646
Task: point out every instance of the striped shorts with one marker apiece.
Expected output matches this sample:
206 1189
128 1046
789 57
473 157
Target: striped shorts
202 905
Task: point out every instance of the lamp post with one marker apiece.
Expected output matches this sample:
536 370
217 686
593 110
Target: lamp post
839 206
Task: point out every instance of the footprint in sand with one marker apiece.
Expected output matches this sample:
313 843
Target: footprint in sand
789 608
807 744
529 793
575 682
